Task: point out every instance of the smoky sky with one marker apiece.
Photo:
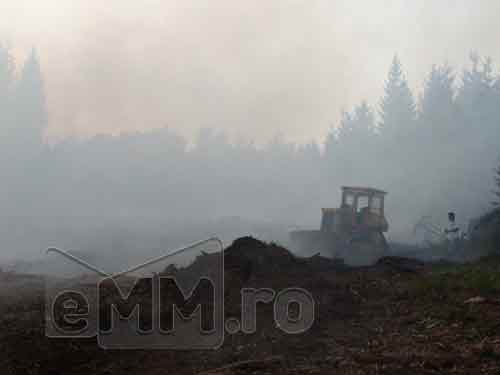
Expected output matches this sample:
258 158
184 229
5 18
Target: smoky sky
253 68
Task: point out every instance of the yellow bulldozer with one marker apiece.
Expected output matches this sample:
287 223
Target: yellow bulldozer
354 232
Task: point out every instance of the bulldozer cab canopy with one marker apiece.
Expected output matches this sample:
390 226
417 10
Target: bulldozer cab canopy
363 198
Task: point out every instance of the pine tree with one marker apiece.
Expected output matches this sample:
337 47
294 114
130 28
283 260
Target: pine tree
437 107
357 128
348 148
6 69
437 134
496 203
397 109
478 106
477 100
6 81
30 105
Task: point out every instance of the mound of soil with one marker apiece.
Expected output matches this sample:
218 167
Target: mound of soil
249 258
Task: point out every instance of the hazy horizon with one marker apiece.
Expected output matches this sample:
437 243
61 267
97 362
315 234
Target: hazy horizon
210 103
252 70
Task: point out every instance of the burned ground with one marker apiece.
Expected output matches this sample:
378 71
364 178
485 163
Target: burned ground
399 316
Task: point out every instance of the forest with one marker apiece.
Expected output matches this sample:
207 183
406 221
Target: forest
433 151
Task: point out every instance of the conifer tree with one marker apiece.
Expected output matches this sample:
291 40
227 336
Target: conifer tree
31 113
6 82
397 109
437 107
496 202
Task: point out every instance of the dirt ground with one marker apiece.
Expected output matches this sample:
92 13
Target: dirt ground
399 316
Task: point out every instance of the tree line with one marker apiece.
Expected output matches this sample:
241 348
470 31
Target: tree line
433 153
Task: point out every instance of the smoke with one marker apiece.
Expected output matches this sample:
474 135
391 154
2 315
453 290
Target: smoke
252 69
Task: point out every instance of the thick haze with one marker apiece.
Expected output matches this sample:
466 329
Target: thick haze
255 69
137 126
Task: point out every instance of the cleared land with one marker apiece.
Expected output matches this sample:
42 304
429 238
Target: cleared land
399 316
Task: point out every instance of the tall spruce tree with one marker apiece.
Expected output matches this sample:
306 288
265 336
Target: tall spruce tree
348 148
396 147
6 82
357 127
436 136
31 111
496 202
478 106
397 109
6 69
477 101
437 107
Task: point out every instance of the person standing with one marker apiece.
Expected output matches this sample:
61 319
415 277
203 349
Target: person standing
452 232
